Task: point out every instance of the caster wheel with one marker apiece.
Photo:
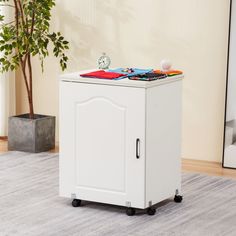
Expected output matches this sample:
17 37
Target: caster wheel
130 211
178 198
76 203
151 211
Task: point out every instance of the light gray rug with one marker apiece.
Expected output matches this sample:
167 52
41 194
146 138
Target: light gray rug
29 205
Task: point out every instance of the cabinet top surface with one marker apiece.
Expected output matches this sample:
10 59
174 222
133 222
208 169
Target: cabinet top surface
75 77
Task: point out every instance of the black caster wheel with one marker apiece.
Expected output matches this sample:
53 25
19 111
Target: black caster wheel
76 203
178 198
151 211
130 211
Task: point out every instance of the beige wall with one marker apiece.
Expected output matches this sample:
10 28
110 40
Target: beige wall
192 33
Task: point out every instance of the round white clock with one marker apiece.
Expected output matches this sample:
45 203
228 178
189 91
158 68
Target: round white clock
104 62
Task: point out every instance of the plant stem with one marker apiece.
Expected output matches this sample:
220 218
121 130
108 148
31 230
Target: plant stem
32 23
17 18
21 11
31 106
23 62
25 76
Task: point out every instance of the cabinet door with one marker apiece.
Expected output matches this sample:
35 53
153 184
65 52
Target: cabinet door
102 143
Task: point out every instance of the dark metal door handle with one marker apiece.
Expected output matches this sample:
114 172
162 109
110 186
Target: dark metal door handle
137 148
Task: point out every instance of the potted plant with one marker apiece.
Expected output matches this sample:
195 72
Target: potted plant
26 36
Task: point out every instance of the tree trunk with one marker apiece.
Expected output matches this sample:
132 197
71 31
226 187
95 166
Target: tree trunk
31 103
31 107
28 83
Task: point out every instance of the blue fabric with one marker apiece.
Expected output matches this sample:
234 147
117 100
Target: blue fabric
136 72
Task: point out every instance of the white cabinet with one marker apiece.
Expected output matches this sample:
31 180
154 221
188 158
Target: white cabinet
120 140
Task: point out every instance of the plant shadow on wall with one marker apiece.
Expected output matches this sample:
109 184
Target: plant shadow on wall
94 27
26 36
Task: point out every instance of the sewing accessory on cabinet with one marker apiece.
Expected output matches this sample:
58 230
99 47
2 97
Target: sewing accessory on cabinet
166 65
128 70
104 61
102 74
170 72
148 77
131 71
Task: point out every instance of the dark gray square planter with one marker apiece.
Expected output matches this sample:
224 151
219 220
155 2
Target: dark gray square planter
31 135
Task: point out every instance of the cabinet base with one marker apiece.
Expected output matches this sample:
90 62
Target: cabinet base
130 211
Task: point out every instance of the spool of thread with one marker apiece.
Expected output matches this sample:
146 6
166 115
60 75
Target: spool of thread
166 65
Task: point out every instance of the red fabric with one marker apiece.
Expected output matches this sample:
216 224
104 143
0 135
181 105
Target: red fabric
101 74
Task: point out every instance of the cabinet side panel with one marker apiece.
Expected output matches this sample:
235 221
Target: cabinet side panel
66 164
163 141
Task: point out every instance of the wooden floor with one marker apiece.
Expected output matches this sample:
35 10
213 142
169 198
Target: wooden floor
3 146
210 168
205 167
